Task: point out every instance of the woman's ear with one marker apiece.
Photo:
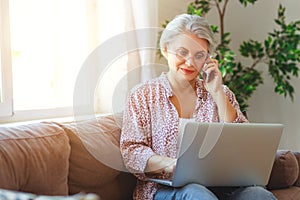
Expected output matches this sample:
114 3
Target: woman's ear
164 51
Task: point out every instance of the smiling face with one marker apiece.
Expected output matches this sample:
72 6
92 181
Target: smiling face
186 55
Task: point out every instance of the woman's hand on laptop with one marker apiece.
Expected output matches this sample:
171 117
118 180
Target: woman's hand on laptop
170 165
157 164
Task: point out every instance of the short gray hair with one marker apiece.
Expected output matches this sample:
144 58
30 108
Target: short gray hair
186 23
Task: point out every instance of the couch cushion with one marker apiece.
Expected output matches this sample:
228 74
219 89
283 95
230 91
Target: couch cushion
292 193
95 160
127 183
34 158
285 170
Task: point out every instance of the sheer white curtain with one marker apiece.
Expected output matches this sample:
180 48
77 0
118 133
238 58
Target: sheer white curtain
143 15
121 61
137 64
127 47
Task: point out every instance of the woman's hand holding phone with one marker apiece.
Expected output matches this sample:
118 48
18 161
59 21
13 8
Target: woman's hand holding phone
212 76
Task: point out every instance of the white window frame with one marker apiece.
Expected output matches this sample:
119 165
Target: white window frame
6 104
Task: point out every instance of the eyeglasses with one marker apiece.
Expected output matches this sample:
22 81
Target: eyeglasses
199 58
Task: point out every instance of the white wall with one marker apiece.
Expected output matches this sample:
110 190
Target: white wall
255 22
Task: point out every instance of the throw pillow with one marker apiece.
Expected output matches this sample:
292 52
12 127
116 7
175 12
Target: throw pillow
284 172
95 160
15 195
297 154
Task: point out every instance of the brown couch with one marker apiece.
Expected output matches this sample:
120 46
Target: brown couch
51 158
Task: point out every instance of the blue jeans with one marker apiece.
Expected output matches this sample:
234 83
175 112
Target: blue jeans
199 192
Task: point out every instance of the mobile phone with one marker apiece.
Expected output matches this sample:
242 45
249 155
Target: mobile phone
207 76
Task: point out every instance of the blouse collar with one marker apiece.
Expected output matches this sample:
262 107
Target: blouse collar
201 92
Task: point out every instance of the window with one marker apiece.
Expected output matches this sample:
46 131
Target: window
49 42
6 107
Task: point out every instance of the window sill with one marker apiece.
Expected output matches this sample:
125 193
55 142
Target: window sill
35 116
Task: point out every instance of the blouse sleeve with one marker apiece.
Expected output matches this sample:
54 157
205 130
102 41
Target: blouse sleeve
135 141
240 116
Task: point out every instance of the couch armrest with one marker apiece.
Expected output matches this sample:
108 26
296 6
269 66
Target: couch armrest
34 158
297 155
285 171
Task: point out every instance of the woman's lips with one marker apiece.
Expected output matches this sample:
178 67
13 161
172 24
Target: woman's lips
187 71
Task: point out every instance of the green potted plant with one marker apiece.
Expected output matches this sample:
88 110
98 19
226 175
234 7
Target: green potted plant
280 51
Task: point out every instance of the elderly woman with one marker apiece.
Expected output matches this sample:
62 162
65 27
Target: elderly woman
157 110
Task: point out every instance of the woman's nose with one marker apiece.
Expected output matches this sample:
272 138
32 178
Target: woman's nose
189 62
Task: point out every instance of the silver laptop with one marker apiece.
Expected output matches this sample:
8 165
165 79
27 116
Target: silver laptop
226 154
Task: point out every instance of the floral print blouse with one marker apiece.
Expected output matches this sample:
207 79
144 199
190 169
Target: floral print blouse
150 126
